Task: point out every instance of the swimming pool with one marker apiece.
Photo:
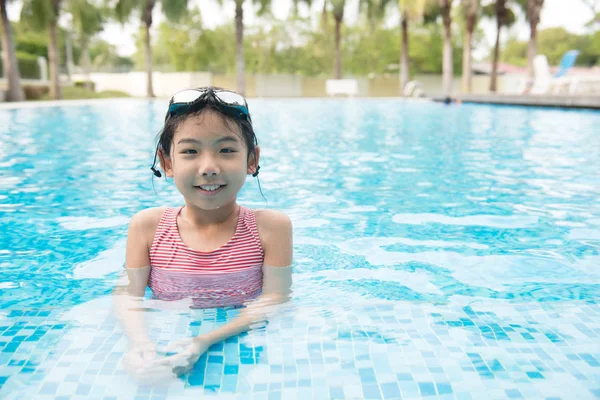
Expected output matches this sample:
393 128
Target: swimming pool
445 252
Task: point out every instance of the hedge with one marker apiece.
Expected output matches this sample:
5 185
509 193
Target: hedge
28 66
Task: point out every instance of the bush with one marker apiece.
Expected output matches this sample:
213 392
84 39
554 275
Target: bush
82 84
28 66
35 92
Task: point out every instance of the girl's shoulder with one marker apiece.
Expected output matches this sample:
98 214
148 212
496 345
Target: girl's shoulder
145 222
271 223
275 232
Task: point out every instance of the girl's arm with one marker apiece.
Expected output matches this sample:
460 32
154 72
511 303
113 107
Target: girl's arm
127 298
275 229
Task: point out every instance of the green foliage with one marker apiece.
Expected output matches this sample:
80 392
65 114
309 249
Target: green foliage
553 43
515 52
37 14
105 54
31 42
293 47
28 66
88 19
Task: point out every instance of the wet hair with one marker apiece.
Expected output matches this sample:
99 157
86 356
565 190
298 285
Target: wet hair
167 133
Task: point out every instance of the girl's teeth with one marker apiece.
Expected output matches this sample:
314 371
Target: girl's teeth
210 188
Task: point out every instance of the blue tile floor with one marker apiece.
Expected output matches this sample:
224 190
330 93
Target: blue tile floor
471 348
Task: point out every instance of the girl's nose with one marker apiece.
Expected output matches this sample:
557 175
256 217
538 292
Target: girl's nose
208 166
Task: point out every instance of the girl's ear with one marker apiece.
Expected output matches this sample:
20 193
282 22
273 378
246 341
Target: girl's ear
253 161
165 163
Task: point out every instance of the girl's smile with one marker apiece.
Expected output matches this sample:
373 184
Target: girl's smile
209 161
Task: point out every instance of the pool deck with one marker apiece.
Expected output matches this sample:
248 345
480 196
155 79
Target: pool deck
562 101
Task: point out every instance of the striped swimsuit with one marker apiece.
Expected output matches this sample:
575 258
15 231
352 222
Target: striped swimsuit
227 276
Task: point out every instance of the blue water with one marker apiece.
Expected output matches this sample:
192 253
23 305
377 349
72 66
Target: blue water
445 252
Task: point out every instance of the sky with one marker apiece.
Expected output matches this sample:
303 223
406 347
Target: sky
570 14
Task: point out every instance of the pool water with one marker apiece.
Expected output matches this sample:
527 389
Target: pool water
447 252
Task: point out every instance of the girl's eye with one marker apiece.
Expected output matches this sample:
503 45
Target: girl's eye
189 151
227 151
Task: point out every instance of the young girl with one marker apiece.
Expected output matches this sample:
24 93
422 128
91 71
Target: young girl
211 250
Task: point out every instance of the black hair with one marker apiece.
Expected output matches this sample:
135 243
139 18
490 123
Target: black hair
208 102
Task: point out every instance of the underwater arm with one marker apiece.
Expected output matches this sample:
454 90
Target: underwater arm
128 298
276 235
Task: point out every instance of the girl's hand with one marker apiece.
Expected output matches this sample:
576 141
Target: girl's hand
141 363
188 351
139 354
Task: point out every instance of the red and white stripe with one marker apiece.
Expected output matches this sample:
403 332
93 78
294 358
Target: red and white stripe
229 275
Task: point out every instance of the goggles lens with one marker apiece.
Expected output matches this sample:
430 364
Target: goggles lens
182 101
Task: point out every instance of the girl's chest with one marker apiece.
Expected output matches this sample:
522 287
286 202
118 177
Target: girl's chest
206 240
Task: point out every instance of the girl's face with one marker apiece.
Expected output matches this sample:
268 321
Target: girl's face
209 161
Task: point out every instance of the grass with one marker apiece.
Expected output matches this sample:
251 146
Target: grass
75 93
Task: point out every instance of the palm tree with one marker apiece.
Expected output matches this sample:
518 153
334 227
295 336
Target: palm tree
504 17
239 40
337 7
338 15
173 10
374 11
594 6
470 9
38 14
447 69
409 11
88 20
532 8
9 59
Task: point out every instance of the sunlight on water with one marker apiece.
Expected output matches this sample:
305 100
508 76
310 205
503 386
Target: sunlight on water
440 250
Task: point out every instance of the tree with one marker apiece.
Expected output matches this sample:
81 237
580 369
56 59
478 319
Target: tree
239 40
504 17
532 10
470 9
594 5
553 43
88 20
373 11
447 70
173 10
9 59
44 13
338 15
410 10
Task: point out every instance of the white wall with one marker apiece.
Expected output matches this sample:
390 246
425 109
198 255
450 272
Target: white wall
167 83
134 83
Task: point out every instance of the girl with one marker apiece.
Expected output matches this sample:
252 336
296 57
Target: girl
212 250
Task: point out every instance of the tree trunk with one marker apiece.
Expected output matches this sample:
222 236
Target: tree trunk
324 18
447 67
534 8
467 73
147 20
239 40
531 51
53 56
471 20
69 54
9 59
404 71
338 51
493 78
149 85
85 63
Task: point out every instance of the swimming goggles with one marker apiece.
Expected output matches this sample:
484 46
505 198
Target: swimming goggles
194 99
